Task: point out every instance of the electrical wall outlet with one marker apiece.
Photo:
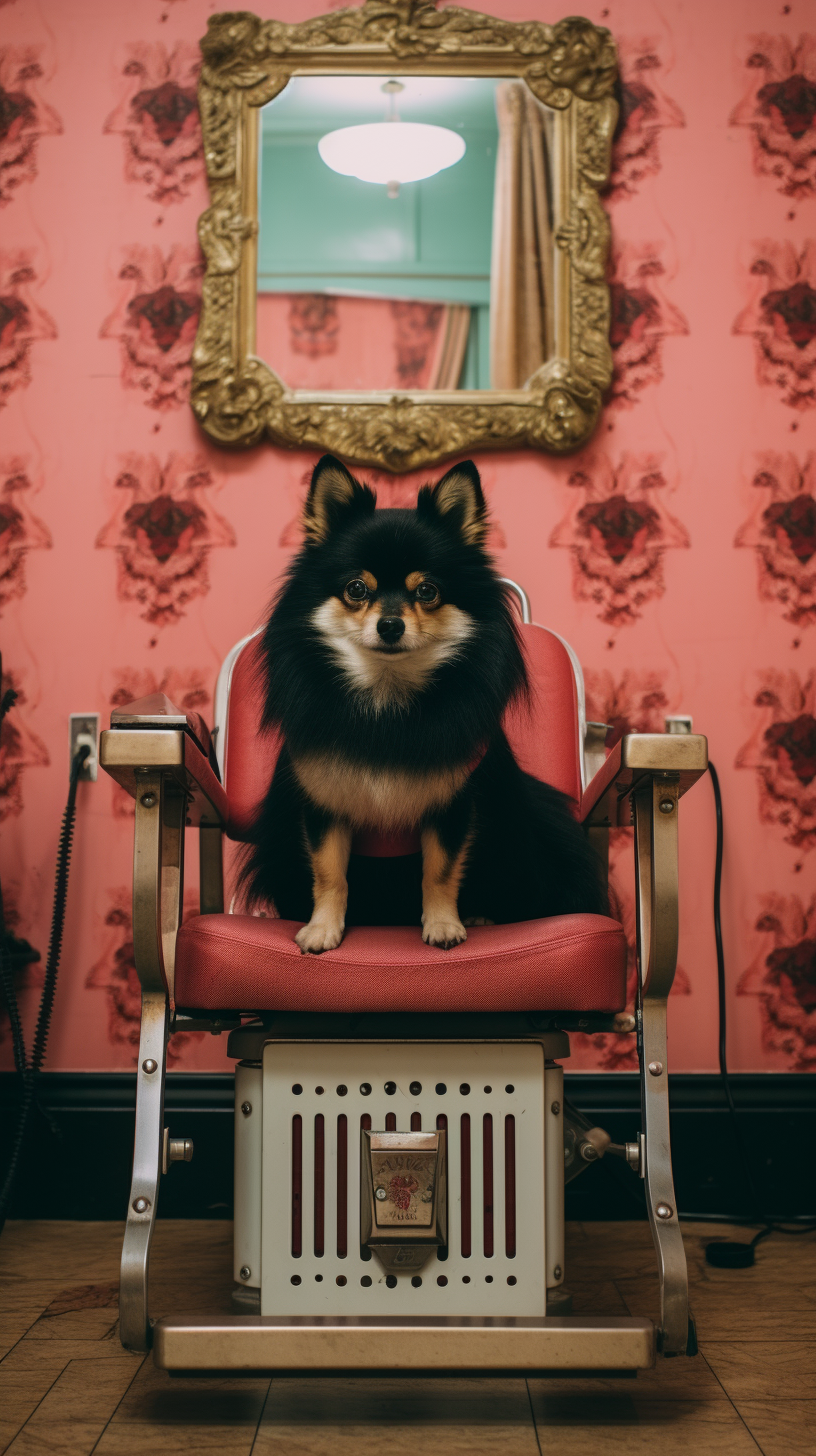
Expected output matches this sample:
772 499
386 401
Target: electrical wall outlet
85 730
679 723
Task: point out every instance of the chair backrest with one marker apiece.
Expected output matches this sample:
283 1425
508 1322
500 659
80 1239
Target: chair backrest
547 741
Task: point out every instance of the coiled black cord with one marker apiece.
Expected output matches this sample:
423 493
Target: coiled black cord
732 1253
29 1070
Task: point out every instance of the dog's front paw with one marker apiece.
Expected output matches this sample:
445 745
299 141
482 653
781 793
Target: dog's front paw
444 932
319 935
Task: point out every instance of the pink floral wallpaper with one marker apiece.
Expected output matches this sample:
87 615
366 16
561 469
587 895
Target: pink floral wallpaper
677 552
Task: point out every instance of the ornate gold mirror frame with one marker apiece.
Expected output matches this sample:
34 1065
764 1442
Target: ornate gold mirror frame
570 66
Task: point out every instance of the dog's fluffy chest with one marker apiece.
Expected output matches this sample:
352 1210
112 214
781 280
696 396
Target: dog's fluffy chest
376 798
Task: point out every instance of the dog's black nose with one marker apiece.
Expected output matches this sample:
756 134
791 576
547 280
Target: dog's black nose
390 628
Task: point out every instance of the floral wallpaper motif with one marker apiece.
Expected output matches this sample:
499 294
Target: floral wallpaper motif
20 749
618 530
115 974
163 530
313 324
641 319
780 109
645 112
781 317
22 320
782 531
635 702
24 117
782 752
20 530
783 976
158 118
155 321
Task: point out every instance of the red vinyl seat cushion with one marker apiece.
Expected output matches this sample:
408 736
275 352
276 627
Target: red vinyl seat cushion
247 963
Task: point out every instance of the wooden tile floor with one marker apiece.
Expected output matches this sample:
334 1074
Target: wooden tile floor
67 1387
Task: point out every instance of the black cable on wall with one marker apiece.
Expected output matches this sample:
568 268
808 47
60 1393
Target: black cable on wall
734 1253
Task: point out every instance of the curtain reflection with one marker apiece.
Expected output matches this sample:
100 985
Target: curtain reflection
521 284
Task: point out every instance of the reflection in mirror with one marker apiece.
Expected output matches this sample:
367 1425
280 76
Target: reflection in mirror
436 273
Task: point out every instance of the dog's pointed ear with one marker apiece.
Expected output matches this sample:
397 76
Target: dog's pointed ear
458 500
333 493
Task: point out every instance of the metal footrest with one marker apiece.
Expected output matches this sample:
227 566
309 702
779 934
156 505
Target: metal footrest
407 1343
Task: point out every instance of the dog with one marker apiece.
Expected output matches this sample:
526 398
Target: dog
390 656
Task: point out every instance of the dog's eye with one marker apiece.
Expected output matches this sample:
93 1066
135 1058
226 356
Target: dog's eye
356 590
427 593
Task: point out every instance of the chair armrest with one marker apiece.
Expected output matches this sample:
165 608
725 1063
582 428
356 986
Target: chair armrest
157 711
638 756
127 753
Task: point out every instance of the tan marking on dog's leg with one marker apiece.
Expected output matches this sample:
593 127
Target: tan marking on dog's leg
330 891
441 878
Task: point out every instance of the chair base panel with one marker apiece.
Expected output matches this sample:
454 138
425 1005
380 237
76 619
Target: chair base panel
410 1344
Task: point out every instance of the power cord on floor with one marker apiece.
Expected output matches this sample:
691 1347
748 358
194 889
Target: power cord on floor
29 1069
734 1253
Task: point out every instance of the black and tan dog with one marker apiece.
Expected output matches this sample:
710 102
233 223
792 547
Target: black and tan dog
391 655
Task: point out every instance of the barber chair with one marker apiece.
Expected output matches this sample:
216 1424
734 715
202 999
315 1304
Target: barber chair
400 1132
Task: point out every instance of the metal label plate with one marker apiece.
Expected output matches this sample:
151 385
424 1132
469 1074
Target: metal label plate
403 1188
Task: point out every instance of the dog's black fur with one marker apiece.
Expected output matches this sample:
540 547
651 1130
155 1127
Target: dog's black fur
527 856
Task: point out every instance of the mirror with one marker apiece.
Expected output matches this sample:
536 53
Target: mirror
406 252
441 282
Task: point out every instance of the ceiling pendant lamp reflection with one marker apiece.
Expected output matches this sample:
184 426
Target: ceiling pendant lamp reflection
392 151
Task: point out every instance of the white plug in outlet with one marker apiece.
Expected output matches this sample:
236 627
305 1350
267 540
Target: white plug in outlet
85 731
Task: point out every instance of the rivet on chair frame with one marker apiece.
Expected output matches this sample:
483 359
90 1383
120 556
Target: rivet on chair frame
246 1272
246 1108
663 1211
148 1065
555 1108
141 1205
666 806
655 1068
149 800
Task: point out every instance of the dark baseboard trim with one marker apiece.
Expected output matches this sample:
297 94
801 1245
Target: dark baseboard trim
693 1091
77 1162
618 1091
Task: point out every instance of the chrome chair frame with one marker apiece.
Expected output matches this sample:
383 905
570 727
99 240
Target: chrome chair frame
163 769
